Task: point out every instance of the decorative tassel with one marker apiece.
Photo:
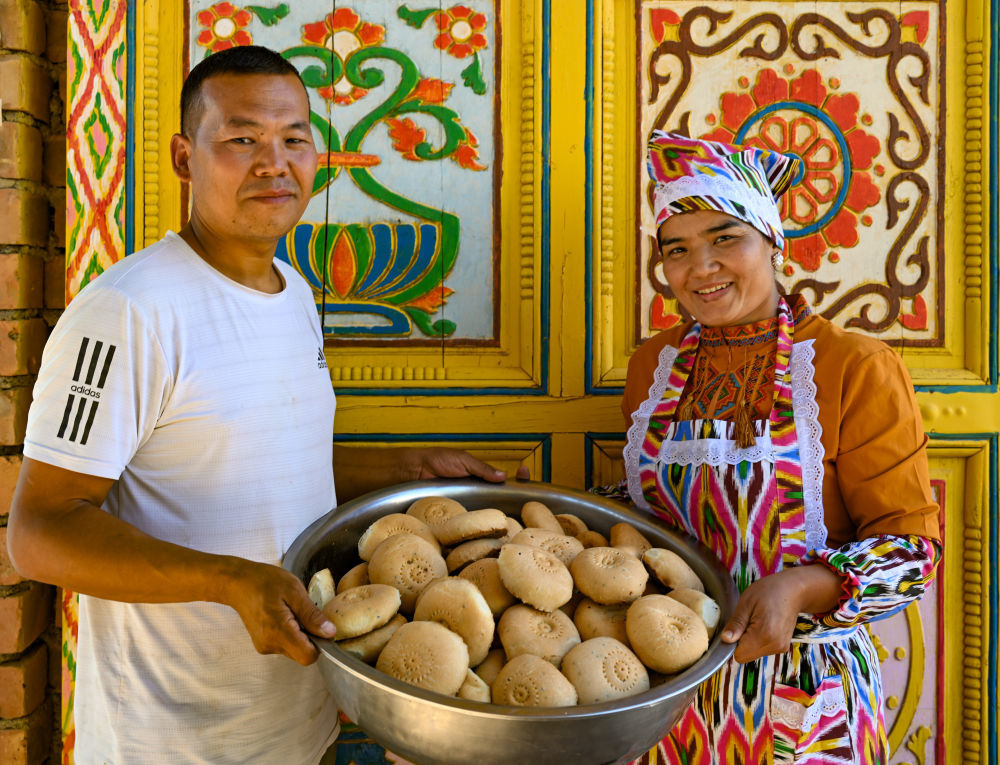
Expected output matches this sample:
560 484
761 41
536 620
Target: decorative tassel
685 411
745 436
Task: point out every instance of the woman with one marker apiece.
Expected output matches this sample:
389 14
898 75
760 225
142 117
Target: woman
791 448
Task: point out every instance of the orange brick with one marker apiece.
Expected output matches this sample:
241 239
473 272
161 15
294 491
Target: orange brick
10 467
14 404
54 160
8 577
22 26
55 41
25 216
24 616
29 741
23 681
21 283
24 86
20 152
21 343
55 283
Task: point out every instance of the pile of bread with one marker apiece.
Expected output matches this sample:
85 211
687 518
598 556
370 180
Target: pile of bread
578 618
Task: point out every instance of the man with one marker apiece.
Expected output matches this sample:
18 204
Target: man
180 440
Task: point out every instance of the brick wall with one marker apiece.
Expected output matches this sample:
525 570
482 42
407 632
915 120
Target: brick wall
32 276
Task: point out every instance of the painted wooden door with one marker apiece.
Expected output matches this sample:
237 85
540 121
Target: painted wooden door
478 240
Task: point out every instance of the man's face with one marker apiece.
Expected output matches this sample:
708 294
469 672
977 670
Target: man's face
250 158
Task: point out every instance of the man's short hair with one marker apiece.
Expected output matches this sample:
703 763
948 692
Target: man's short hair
242 59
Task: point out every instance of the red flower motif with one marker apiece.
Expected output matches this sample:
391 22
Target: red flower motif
433 300
343 32
224 27
431 90
406 136
460 31
815 142
466 154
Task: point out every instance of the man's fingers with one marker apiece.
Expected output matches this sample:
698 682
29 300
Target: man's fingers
309 616
524 473
482 470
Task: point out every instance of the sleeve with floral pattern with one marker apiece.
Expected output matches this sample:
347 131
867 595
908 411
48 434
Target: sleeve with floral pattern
881 576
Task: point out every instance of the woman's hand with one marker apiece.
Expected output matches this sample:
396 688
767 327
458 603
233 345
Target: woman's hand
765 615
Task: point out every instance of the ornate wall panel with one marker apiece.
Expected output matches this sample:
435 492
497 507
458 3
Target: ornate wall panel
95 141
96 204
419 288
860 92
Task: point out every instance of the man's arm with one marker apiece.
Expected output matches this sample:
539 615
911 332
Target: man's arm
58 533
359 470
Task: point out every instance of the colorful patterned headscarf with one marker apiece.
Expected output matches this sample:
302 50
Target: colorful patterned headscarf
742 181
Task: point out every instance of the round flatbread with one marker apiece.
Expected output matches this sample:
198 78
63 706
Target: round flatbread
355 577
435 510
524 630
538 516
667 635
427 655
361 609
388 526
599 620
474 524
409 563
473 550
609 575
485 574
528 681
460 606
671 569
564 547
535 577
367 647
603 669
625 536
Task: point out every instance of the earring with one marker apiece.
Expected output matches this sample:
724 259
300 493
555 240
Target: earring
777 258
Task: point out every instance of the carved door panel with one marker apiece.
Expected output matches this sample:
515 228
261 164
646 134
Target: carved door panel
478 239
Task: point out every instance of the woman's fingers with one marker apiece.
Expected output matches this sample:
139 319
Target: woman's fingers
763 620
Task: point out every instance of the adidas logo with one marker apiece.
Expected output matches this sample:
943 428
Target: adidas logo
89 377
321 360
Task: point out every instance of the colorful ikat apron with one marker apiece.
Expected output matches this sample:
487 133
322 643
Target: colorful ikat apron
821 702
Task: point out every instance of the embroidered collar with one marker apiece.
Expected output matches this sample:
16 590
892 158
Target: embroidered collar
756 333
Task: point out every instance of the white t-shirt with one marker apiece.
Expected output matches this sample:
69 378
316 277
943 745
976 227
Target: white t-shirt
211 405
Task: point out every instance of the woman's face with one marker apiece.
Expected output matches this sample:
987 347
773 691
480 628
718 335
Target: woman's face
719 268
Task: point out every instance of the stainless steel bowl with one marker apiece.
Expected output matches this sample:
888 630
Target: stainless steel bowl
428 727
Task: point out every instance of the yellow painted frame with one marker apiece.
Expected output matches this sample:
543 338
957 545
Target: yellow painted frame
515 362
965 466
963 359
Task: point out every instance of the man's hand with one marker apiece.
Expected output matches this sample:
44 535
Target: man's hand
436 462
276 610
359 470
764 619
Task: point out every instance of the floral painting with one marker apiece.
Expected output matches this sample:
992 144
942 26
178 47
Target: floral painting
855 94
401 226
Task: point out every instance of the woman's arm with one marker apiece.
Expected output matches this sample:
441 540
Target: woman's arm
830 593
880 576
